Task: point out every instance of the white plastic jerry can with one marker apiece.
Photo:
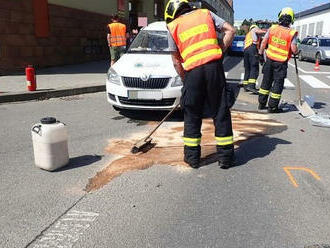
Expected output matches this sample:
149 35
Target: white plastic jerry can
50 144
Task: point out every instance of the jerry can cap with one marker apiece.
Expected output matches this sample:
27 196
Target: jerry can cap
48 120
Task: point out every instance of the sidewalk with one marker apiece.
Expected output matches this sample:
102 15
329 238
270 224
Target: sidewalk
56 82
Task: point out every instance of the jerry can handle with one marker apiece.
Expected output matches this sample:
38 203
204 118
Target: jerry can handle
36 129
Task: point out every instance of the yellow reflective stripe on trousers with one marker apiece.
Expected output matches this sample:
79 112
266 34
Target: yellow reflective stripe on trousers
275 96
280 57
201 56
186 35
245 82
191 141
263 92
198 45
223 141
252 81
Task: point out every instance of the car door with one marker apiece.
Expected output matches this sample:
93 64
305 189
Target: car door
308 48
303 47
313 48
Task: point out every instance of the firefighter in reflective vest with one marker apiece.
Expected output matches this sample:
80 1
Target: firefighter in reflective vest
116 39
197 58
282 42
251 58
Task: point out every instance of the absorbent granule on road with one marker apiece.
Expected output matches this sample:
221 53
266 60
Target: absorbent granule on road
168 145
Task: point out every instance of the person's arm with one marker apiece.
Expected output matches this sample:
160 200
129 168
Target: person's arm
294 47
229 33
177 60
260 31
109 36
264 43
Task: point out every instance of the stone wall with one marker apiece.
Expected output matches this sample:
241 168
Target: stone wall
75 36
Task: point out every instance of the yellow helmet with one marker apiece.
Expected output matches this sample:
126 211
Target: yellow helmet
287 11
252 26
172 8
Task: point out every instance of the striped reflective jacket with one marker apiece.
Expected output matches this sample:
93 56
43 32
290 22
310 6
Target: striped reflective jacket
194 34
279 43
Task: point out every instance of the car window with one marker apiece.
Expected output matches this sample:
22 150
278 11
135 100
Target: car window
325 42
304 41
150 41
309 42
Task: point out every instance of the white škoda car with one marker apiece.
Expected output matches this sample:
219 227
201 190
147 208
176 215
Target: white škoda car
144 77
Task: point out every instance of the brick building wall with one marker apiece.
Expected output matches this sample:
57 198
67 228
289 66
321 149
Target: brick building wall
75 36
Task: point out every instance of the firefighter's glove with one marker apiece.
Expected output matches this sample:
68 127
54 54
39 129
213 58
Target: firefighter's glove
261 59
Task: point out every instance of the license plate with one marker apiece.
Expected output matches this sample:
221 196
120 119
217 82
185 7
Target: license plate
144 94
240 44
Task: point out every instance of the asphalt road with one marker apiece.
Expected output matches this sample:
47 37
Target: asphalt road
256 204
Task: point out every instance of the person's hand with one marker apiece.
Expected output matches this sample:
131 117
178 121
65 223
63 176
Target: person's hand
261 59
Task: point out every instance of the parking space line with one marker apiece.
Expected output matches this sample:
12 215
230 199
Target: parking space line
314 82
288 84
226 74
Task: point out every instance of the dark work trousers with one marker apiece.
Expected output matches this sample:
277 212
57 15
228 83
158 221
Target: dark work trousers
251 66
272 82
205 89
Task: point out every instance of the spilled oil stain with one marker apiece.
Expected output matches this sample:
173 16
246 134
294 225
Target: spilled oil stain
168 146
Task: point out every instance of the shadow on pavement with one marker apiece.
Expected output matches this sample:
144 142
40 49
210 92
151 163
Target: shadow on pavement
80 161
319 105
257 148
143 116
230 62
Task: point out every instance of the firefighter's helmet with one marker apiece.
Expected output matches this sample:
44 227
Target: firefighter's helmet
252 27
287 11
172 8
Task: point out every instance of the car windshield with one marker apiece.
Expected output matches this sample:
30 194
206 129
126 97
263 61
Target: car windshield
150 41
239 38
325 42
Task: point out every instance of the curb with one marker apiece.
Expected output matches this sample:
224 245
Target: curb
43 95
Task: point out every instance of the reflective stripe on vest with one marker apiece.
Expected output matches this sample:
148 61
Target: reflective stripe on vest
279 43
223 141
192 142
194 34
118 34
249 41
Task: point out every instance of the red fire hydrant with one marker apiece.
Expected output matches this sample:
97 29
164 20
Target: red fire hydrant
31 81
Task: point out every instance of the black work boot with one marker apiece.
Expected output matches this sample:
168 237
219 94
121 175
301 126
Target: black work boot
192 156
262 106
226 156
274 110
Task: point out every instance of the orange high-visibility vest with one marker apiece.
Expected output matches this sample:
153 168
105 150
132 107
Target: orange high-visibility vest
194 34
279 43
249 41
117 34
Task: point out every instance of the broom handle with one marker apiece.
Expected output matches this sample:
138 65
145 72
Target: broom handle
298 81
164 119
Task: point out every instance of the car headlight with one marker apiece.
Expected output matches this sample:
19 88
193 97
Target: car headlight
177 82
113 76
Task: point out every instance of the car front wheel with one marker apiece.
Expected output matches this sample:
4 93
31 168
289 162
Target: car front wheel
318 57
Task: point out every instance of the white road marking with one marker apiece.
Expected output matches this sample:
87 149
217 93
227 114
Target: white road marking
309 72
66 231
288 84
314 82
226 74
242 77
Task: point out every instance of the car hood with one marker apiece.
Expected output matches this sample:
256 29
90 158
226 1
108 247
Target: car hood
135 65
